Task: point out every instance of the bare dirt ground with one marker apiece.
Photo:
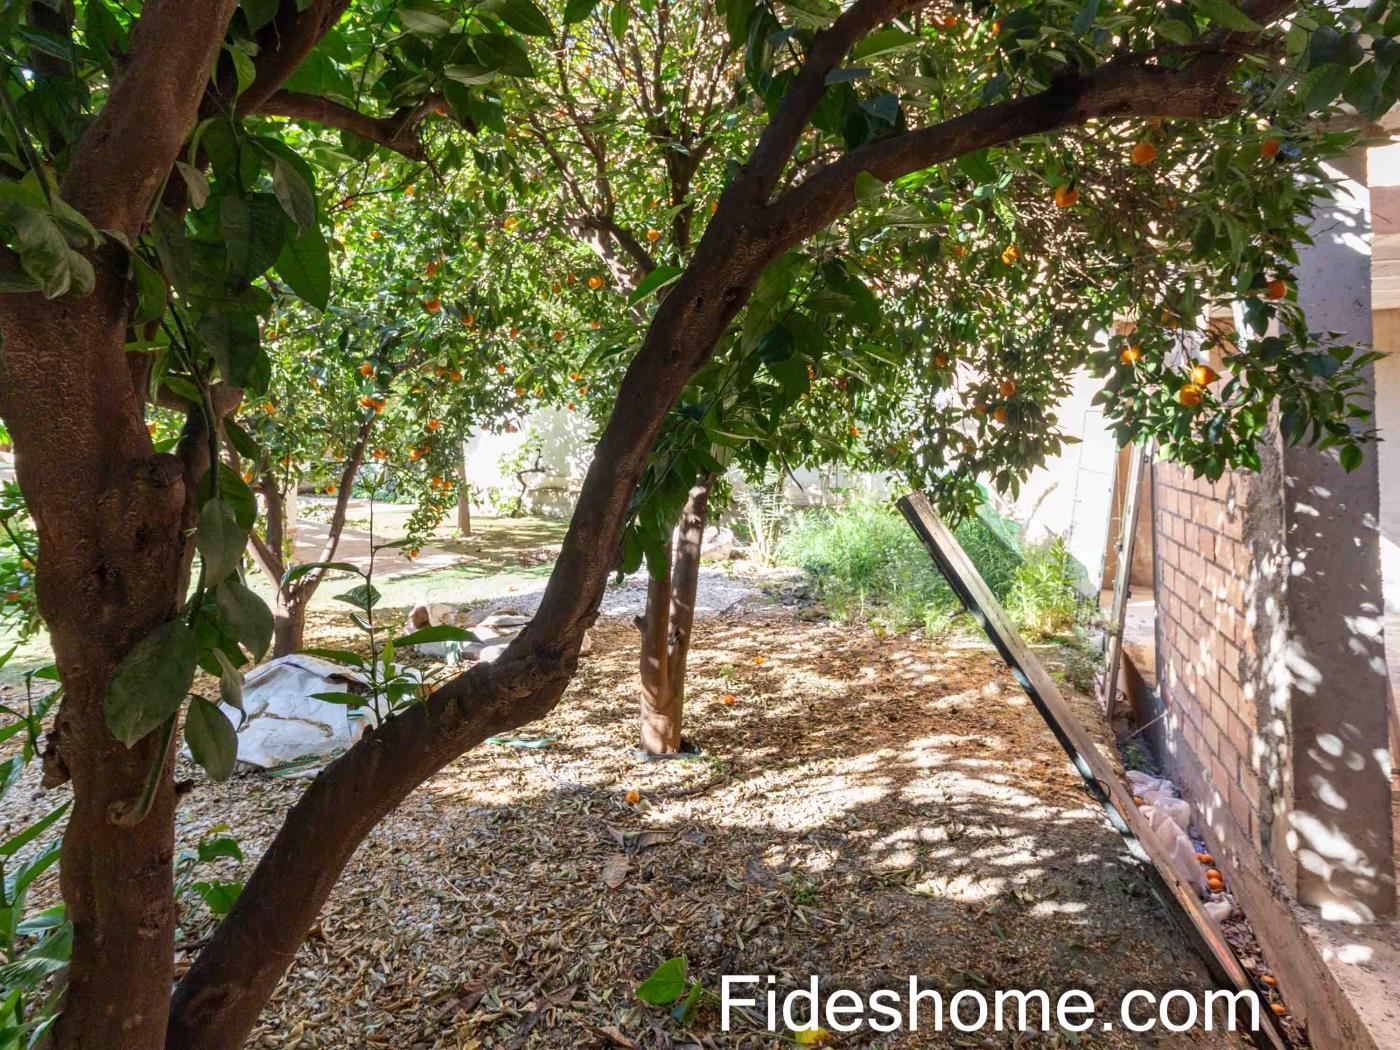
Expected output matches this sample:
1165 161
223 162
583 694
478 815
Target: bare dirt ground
867 808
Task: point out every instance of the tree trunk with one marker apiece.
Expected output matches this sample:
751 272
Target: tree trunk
464 496
685 581
110 515
661 718
290 603
666 628
288 624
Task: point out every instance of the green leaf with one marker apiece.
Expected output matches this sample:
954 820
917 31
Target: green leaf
218 896
340 656
1224 13
503 53
1084 20
428 17
212 739
305 264
45 255
977 167
219 539
657 279
294 192
620 13
243 69
230 681
364 597
522 16
348 699
15 843
1351 457
846 74
258 12
440 633
150 291
151 682
868 189
666 983
241 441
296 572
196 182
245 616
883 42
254 228
578 10
234 340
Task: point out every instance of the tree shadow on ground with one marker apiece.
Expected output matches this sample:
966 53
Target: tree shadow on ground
867 808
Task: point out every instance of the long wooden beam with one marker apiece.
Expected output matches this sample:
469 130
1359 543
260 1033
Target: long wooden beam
1177 897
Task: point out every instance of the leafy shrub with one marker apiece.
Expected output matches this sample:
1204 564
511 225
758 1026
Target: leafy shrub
1043 599
19 608
866 563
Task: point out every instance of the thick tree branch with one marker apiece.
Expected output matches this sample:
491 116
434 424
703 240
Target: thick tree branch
285 42
624 239
1121 88
398 131
779 139
123 158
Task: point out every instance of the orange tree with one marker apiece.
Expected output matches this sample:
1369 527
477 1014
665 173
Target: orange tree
384 385
139 215
630 123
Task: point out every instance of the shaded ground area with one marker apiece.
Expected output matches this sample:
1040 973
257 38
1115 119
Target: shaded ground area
867 808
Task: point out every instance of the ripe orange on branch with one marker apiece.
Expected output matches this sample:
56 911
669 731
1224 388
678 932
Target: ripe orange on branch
1143 153
1066 196
1131 355
1203 375
1189 395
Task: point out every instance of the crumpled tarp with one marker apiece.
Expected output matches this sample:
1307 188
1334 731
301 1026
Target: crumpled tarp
283 728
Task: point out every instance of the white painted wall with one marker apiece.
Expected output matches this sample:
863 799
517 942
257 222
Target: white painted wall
566 440
1071 496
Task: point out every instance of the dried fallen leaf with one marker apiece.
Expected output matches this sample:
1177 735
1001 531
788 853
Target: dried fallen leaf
615 871
612 1032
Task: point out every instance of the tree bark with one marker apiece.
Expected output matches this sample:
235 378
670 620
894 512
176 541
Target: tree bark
110 515
288 625
685 581
464 496
666 628
290 604
660 714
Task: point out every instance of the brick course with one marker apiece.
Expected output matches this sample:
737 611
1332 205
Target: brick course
1205 643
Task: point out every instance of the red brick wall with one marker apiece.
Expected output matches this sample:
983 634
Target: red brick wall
1206 649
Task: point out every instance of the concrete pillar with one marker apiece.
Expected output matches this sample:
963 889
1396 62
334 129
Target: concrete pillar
1329 689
